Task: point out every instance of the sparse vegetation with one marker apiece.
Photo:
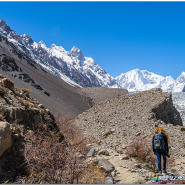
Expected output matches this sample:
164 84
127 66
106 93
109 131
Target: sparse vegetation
51 161
142 149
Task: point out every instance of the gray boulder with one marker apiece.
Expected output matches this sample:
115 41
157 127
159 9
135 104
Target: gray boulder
106 166
109 180
103 152
91 152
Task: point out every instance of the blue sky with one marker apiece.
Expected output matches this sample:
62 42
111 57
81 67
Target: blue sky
119 36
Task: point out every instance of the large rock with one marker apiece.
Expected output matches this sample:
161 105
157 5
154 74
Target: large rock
103 152
14 115
106 166
166 112
5 137
91 152
9 84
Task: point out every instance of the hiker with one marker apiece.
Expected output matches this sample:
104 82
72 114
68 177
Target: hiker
160 147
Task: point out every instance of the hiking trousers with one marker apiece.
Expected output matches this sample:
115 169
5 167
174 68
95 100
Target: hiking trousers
159 153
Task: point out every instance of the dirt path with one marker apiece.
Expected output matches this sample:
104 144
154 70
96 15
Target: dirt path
124 174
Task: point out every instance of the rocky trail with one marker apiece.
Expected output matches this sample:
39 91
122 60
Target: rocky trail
129 170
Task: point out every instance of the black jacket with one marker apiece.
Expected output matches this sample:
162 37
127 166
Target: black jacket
165 143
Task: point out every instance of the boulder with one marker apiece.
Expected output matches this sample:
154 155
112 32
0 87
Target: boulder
91 152
14 115
125 158
106 166
41 106
137 166
5 137
9 84
109 180
103 152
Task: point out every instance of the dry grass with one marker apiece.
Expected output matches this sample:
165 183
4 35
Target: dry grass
142 149
51 161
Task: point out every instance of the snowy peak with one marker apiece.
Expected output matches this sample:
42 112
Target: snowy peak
179 85
27 38
75 52
139 80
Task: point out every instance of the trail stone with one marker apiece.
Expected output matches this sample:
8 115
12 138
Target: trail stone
109 180
103 152
91 152
137 166
5 137
106 166
125 158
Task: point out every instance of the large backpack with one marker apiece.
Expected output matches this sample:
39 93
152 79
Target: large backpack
158 141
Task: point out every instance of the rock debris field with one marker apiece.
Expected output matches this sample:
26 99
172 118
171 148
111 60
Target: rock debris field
114 123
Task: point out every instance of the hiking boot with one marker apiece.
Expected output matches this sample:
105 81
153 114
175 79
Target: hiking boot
164 171
160 172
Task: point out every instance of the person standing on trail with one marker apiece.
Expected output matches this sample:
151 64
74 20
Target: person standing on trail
160 147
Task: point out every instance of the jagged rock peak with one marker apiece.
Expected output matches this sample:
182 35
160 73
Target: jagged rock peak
4 26
76 52
42 44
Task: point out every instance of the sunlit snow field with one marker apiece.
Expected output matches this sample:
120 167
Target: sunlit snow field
178 101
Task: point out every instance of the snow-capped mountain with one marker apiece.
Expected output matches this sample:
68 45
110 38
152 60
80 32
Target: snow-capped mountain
179 85
71 66
140 80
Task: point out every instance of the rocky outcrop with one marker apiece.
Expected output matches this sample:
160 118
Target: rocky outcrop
166 112
5 137
20 113
14 115
114 123
7 83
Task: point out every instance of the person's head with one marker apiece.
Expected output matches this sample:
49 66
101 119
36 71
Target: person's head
161 130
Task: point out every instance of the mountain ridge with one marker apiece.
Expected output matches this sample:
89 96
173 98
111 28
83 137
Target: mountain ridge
80 71
71 66
140 80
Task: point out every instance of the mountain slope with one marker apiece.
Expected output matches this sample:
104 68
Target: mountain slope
139 80
71 66
52 92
